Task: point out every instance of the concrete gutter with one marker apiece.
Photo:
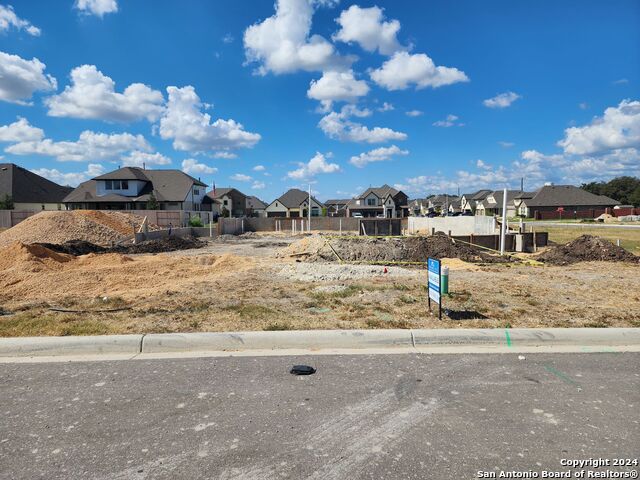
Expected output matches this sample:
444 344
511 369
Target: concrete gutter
51 346
424 341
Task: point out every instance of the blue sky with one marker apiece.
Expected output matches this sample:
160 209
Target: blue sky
427 96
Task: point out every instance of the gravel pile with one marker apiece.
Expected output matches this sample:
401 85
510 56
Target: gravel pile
95 226
587 248
331 272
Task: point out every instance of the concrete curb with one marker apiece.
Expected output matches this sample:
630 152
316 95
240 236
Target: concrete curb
317 340
296 339
50 346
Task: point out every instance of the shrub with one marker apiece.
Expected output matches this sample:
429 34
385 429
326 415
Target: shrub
195 222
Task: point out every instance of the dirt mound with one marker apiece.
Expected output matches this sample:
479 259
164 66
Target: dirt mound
410 249
20 255
74 247
587 248
99 227
164 244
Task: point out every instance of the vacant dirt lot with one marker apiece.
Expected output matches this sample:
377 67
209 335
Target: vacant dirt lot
629 237
260 283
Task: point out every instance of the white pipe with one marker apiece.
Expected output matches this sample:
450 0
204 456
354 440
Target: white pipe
340 226
309 210
242 225
503 230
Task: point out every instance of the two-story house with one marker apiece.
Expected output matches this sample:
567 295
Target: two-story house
229 202
295 203
469 201
133 188
384 201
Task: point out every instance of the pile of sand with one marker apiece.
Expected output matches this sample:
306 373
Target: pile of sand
587 248
35 273
96 226
409 249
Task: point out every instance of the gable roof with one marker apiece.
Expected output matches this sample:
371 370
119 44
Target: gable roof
567 195
498 196
294 197
166 186
221 192
339 201
380 192
27 187
480 194
255 203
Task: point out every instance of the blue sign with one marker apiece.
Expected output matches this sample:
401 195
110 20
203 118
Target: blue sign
434 279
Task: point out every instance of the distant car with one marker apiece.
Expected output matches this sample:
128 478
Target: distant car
380 216
432 215
467 213
357 215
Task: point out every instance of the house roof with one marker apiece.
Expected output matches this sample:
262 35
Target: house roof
342 201
26 187
255 203
124 173
442 199
498 196
293 198
221 192
567 195
166 185
380 192
480 194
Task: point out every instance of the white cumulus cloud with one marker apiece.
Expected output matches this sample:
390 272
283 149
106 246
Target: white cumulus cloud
258 185
368 28
92 95
377 155
414 113
619 127
339 126
450 121
337 86
193 167
241 177
70 178
502 100
9 19
20 131
404 69
97 7
318 164
192 130
282 43
20 78
139 159
90 146
259 168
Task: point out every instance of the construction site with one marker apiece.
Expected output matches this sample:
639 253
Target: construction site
81 273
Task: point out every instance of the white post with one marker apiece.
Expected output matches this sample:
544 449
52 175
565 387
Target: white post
340 226
242 225
309 210
504 222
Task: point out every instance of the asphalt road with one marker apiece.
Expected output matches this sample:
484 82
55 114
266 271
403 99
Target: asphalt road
359 417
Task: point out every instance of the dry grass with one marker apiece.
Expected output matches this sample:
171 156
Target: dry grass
629 237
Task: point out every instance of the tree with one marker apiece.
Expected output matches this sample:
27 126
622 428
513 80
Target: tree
7 202
225 212
626 190
152 203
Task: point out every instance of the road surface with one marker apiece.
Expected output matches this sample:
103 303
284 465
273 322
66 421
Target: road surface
359 417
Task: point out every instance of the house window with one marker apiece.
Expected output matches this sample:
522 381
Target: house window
108 185
371 202
196 191
225 202
125 184
116 184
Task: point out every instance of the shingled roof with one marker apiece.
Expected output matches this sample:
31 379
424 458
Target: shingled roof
26 187
166 185
255 203
293 198
567 195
